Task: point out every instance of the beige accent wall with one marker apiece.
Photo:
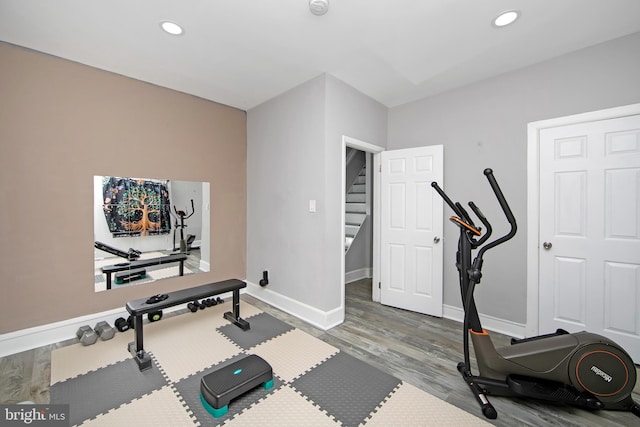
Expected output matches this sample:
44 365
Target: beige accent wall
61 123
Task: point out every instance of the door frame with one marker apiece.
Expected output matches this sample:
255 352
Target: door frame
375 150
533 197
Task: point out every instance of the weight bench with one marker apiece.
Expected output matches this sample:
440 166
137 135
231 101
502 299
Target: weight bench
141 263
131 255
138 308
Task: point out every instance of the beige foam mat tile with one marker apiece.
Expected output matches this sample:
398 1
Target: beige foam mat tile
186 344
158 409
71 361
283 408
151 255
410 406
164 273
293 353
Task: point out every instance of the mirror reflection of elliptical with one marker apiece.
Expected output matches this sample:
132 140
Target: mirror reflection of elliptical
148 229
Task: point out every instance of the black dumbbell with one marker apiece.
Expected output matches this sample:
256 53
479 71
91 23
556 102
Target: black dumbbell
219 300
155 316
193 306
121 324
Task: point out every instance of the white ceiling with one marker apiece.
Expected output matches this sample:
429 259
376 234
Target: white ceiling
244 52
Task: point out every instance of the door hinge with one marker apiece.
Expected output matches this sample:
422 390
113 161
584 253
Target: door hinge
380 168
379 285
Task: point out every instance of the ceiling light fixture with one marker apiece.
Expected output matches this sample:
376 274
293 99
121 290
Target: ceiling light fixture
319 7
171 28
506 18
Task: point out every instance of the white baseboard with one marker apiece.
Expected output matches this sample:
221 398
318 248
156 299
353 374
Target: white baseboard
205 266
318 318
27 339
490 323
359 274
38 336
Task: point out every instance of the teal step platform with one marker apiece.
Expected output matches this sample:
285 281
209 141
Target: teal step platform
130 275
218 388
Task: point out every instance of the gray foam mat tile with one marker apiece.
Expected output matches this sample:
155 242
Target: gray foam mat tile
346 388
106 388
263 328
189 389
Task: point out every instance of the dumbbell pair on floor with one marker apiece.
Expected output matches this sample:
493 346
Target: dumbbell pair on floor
123 324
88 336
209 302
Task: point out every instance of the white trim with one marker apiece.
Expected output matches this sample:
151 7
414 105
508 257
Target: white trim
318 318
361 273
375 150
490 323
533 196
205 266
38 336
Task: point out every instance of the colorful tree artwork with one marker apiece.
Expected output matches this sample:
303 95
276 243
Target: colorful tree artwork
136 207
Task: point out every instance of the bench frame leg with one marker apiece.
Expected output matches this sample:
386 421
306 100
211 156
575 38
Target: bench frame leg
136 348
235 316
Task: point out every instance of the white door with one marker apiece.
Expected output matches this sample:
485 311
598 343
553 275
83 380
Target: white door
589 245
411 229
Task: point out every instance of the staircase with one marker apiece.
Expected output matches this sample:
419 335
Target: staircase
355 209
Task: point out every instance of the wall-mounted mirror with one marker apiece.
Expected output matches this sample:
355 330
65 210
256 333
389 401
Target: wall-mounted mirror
148 229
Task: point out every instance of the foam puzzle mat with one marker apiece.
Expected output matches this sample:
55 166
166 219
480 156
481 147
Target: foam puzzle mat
315 384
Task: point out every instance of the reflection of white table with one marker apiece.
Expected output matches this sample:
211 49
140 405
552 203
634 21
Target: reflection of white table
138 308
108 270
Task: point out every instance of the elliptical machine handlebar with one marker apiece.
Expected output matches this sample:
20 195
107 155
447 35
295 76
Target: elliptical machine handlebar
503 202
507 212
455 207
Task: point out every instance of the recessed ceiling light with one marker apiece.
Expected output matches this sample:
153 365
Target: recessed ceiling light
506 18
319 7
171 28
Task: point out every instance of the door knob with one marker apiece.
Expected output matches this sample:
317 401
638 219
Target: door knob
547 245
436 240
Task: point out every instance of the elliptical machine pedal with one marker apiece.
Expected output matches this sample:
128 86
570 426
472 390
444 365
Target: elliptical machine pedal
551 391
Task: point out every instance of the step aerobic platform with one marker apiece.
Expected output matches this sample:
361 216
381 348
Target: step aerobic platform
218 388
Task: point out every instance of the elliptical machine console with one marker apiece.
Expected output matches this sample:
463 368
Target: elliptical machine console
580 369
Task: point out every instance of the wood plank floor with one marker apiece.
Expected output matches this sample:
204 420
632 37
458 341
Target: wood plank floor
419 349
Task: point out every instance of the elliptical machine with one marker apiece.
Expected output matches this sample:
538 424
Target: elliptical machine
185 245
580 369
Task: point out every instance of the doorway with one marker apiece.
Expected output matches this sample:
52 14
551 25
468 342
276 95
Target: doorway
372 151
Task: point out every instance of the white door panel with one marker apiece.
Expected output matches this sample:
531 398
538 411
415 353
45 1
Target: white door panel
590 214
411 229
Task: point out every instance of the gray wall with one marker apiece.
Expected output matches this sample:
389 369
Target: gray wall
485 125
294 152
